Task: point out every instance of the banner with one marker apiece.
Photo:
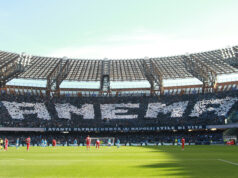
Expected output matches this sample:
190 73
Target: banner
125 113
122 111
125 129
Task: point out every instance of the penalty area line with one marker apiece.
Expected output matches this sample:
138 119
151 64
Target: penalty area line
229 162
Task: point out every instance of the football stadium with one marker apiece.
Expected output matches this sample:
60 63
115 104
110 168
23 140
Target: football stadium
171 116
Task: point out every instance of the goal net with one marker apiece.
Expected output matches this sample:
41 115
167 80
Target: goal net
104 141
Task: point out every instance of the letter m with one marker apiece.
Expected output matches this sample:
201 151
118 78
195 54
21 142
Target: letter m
64 111
176 109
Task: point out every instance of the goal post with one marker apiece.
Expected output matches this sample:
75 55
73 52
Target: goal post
104 141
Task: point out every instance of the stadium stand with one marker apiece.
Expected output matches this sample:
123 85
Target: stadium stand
151 99
126 138
100 112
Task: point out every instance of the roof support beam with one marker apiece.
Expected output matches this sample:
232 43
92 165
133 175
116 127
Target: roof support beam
57 75
13 68
202 71
105 78
153 75
234 60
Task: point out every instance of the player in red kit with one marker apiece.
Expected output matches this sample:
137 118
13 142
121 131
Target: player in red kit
97 143
88 142
54 142
6 144
28 142
183 142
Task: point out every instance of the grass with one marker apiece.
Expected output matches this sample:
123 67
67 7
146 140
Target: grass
162 161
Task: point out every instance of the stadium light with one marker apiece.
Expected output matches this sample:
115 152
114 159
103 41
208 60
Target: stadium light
213 129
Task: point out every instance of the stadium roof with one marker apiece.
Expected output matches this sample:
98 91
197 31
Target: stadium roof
182 70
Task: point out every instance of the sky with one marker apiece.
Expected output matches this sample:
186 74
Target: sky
97 29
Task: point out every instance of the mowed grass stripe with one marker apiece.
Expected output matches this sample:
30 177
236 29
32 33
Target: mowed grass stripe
162 161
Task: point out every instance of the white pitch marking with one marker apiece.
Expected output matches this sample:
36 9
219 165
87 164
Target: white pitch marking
228 162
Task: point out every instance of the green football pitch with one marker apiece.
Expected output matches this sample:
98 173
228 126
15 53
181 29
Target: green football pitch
160 161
